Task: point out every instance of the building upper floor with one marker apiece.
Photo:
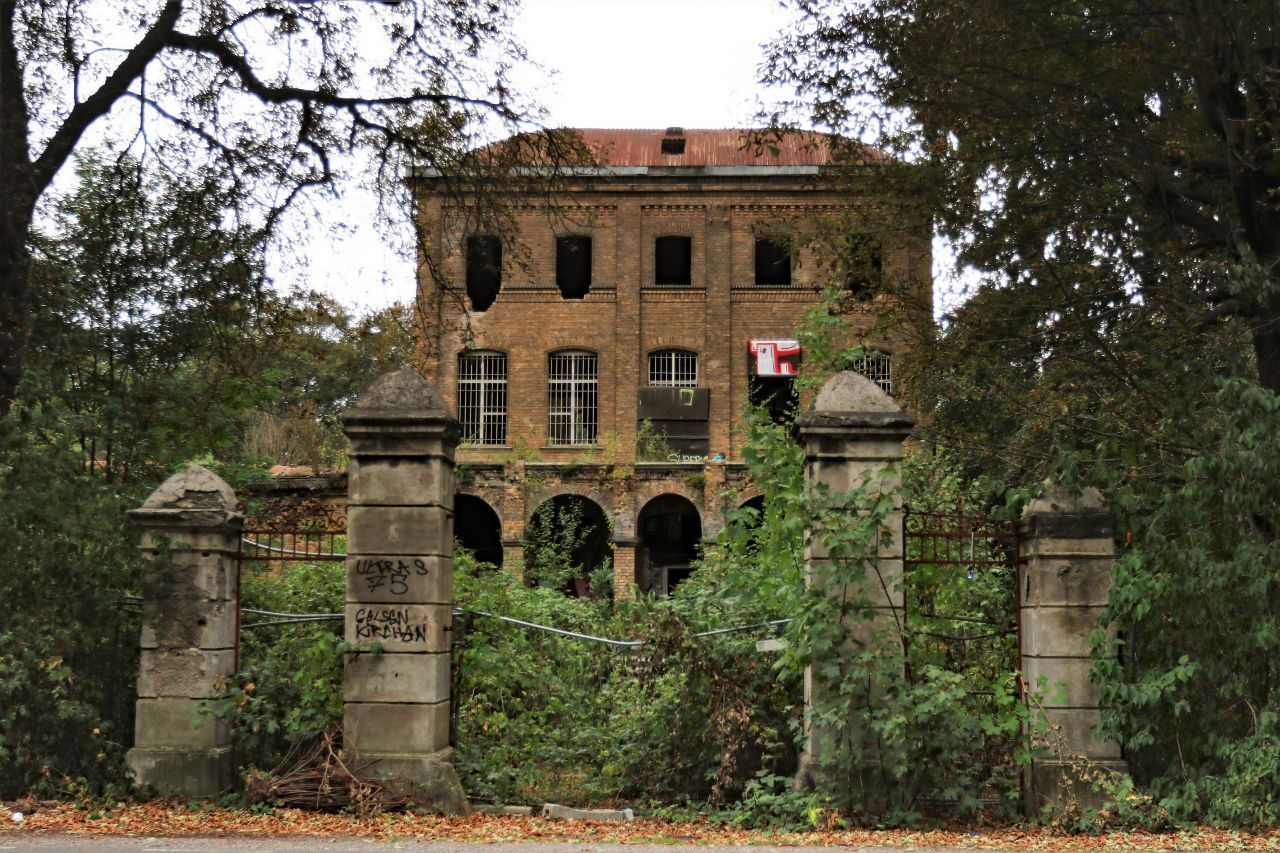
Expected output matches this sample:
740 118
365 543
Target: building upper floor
657 290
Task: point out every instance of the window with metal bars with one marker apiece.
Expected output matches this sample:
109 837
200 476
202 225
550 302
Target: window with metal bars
877 366
675 368
482 397
572 407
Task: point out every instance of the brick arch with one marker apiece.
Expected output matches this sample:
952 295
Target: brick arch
661 342
599 498
492 496
647 492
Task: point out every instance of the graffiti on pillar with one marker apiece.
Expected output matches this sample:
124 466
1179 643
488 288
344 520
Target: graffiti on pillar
390 573
389 623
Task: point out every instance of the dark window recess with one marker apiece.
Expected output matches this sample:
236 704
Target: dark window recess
484 270
777 394
670 534
673 145
773 262
573 266
673 261
862 264
477 528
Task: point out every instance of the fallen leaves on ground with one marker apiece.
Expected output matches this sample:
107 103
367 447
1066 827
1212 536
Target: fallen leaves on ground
161 818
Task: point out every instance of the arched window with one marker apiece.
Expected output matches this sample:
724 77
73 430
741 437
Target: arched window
876 365
482 396
572 414
676 368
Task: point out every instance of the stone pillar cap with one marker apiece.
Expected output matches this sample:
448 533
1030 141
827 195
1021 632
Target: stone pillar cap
397 395
196 487
1058 499
850 399
193 495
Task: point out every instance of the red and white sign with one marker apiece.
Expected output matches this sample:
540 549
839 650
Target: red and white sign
776 358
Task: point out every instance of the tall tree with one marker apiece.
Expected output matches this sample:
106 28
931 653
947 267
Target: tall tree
146 318
269 90
1110 153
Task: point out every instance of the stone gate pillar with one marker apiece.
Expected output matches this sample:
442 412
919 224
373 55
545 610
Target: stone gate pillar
853 431
1067 556
190 632
400 583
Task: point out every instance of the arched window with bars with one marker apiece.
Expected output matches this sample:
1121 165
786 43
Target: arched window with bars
673 368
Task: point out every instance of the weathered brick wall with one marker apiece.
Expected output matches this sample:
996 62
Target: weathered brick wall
625 317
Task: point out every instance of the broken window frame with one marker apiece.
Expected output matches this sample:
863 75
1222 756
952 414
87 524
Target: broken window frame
566 246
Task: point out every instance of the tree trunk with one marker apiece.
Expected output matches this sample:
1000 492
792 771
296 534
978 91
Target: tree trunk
15 300
17 201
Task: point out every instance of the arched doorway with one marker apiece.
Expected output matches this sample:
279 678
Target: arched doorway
566 545
477 528
670 532
757 504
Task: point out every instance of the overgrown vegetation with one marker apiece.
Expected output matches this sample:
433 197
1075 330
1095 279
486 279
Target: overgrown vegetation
155 343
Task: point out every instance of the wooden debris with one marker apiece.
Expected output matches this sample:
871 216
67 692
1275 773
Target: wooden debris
327 779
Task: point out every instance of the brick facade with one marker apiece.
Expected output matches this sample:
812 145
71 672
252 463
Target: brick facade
721 196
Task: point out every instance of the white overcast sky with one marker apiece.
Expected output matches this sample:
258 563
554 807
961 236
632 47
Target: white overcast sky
612 63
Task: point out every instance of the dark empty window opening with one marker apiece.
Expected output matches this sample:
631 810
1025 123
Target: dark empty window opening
673 261
777 395
673 145
773 262
484 270
862 264
573 266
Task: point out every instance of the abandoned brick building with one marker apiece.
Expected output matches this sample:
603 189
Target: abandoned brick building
652 297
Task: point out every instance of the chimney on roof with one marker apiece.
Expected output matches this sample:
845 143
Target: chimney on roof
673 141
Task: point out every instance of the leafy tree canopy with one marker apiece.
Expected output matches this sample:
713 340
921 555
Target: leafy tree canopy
269 95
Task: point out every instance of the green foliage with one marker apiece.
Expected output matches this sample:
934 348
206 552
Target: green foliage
543 717
562 550
68 644
289 687
772 802
651 443
143 330
1196 588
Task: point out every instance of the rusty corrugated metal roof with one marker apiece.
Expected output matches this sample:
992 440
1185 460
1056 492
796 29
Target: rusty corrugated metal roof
727 147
